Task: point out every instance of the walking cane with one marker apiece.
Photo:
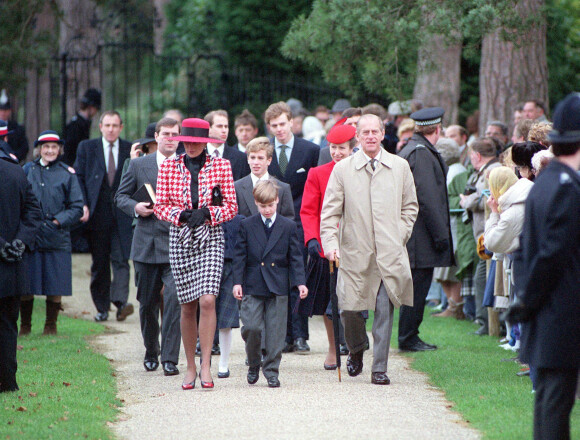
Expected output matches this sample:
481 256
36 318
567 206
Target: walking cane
334 305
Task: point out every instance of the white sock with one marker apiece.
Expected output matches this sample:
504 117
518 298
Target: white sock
225 336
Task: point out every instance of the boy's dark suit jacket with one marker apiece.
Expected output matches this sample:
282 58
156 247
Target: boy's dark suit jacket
263 266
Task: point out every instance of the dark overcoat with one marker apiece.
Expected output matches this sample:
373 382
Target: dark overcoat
91 171
430 244
20 217
58 191
548 268
238 161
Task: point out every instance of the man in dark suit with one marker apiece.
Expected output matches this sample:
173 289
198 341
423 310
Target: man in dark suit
294 157
548 269
259 152
79 128
20 217
430 244
150 254
267 264
99 166
219 129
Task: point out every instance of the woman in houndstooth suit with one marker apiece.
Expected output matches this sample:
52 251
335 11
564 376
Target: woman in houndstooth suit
195 193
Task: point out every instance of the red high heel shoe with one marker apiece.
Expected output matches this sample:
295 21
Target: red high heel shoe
205 385
189 386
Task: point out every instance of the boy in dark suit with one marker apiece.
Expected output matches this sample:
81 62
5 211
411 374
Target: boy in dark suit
267 265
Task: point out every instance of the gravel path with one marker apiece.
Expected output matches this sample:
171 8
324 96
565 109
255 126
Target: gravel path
311 403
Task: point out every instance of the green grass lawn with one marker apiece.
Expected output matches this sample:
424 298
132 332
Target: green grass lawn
482 388
66 389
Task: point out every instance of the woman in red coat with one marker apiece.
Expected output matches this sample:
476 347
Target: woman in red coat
195 193
342 140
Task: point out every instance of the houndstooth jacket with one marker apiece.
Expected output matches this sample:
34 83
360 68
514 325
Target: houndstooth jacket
174 196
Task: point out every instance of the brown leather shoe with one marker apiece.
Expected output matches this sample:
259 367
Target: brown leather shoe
124 311
380 378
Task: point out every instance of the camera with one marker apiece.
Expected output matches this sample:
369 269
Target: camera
466 217
470 189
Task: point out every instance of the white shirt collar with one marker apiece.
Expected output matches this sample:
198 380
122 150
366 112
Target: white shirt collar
160 158
377 157
106 145
273 218
290 143
255 178
211 148
241 148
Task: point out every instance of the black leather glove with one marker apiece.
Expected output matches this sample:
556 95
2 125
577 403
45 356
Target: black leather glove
314 248
12 252
198 217
517 312
184 216
216 196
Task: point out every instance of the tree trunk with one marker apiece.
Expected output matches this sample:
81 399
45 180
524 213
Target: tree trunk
438 76
513 73
79 39
159 25
37 100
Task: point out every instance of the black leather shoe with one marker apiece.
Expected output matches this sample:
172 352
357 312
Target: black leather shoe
124 311
288 348
151 364
416 346
223 375
380 378
343 350
198 349
301 346
215 350
253 375
432 346
273 382
101 316
169 369
354 363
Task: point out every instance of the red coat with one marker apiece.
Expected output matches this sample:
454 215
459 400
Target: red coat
174 195
312 199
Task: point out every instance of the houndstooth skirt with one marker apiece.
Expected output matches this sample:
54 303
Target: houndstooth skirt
196 264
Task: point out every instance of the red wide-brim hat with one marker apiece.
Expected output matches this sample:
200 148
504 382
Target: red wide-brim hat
195 130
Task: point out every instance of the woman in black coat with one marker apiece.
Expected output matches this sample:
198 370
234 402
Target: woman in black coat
56 187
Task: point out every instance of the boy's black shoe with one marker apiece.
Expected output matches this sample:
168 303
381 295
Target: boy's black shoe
253 375
273 382
354 363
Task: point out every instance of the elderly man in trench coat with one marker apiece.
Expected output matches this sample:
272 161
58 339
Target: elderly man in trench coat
369 210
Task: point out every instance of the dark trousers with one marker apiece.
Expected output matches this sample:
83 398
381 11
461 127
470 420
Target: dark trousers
297 324
410 318
555 394
149 279
105 246
9 308
480 280
269 314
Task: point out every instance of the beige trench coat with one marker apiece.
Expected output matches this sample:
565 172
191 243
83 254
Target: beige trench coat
376 213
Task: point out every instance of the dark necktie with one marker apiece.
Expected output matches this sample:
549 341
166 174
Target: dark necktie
373 160
111 171
268 222
283 159
216 153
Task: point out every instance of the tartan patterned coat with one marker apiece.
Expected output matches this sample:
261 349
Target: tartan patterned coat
174 196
